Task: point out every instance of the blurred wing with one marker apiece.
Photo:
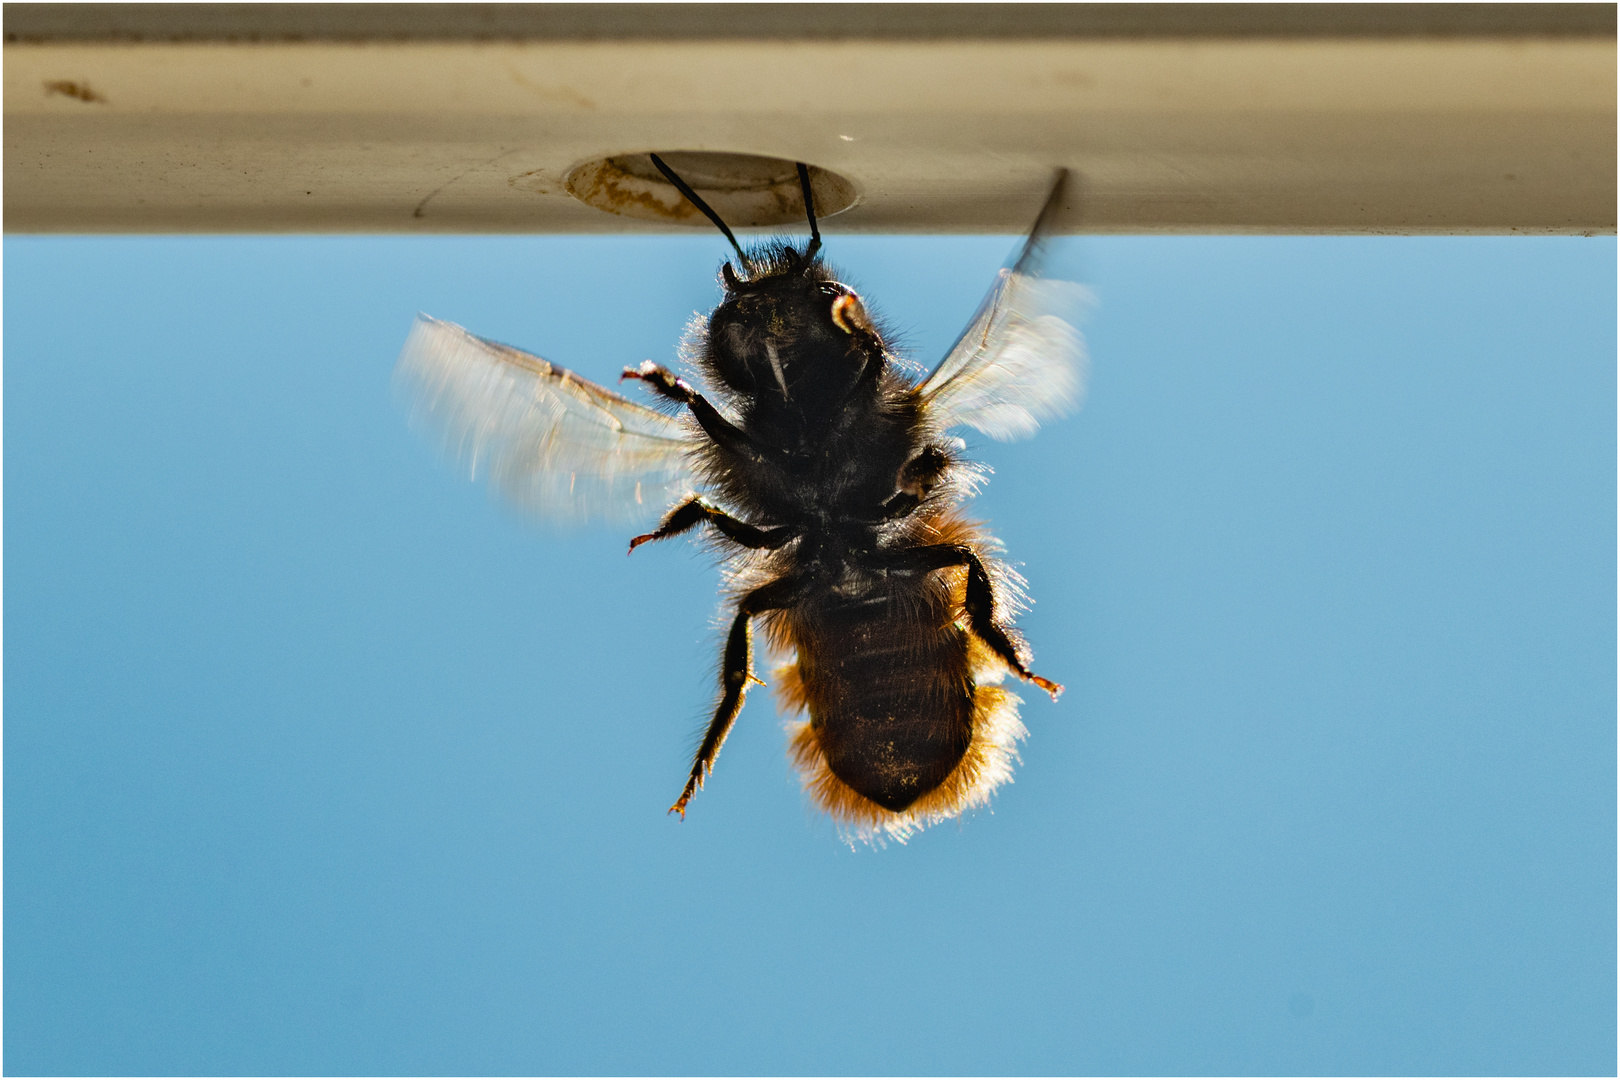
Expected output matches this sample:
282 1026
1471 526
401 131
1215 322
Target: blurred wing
1021 360
553 443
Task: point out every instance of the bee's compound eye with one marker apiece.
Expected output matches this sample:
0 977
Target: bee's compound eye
849 315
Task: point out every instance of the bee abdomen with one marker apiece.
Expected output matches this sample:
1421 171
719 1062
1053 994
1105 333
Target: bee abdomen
890 693
985 766
891 754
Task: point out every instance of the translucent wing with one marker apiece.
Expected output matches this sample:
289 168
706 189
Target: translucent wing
1021 360
552 442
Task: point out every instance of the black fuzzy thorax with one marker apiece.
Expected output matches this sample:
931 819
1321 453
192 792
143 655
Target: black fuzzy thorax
831 419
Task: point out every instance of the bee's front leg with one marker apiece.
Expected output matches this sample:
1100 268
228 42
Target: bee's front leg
695 510
735 672
667 384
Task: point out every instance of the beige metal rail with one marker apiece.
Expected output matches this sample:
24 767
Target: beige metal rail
935 118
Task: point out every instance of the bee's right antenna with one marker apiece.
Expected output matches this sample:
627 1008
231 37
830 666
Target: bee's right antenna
809 212
692 196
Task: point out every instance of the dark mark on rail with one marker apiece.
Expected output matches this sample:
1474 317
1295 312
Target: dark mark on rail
69 88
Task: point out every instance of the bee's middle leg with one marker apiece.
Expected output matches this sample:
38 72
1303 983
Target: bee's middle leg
916 479
735 671
695 510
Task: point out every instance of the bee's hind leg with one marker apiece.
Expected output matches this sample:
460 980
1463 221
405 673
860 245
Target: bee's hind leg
981 619
980 603
695 510
735 671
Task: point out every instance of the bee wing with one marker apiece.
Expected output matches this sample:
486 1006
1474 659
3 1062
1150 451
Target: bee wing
555 444
1020 361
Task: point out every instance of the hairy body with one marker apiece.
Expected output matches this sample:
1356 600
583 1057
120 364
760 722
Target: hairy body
829 482
833 471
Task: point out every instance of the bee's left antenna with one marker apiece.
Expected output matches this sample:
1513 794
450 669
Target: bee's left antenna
685 189
809 211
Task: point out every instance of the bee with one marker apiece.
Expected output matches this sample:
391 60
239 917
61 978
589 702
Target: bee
828 478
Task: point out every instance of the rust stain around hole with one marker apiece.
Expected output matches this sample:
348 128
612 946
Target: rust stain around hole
606 192
748 191
80 91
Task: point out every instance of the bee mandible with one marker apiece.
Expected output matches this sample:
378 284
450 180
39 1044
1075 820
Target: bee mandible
829 478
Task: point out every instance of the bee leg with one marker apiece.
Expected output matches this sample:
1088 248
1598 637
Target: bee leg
980 604
735 673
981 618
665 383
695 510
916 479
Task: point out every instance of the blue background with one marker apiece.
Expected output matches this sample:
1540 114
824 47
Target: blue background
317 760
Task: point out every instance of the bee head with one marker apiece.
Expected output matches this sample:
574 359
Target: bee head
790 328
786 326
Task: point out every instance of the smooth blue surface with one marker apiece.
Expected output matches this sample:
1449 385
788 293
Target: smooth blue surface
317 760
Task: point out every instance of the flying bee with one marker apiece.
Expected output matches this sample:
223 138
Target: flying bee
829 478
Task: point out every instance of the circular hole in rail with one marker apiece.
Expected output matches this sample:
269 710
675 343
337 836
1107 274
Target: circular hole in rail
746 190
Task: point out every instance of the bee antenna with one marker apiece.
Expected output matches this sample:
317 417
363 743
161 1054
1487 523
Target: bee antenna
685 189
810 212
